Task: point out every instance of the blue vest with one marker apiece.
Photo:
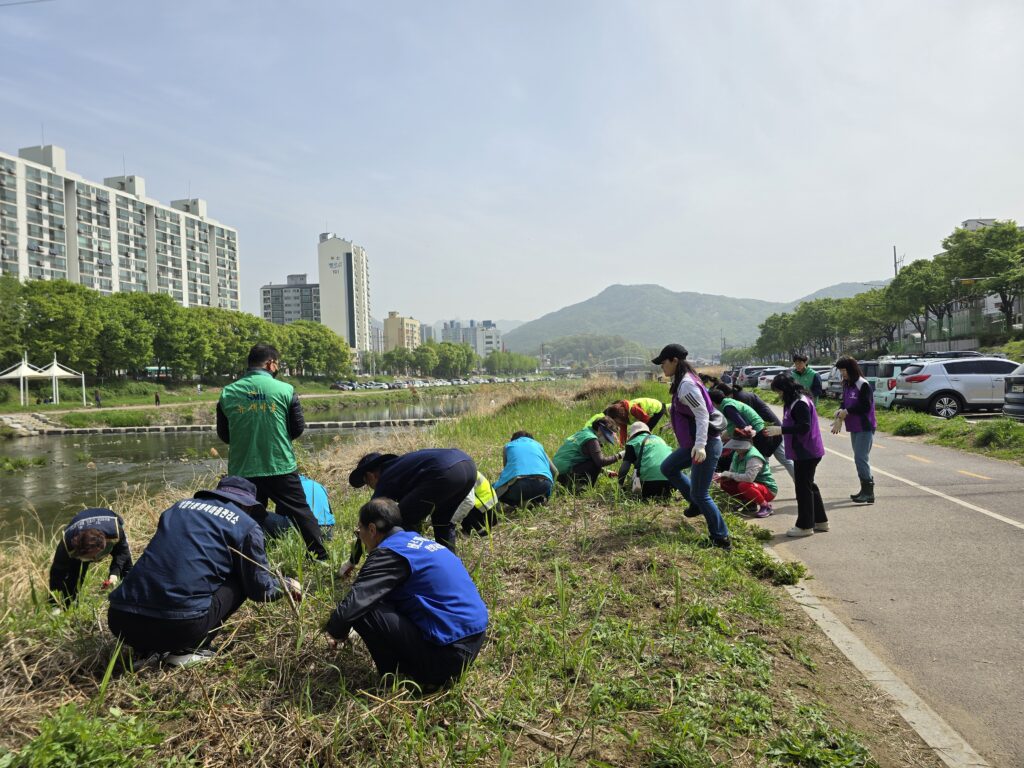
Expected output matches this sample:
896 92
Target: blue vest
316 497
524 457
439 597
187 560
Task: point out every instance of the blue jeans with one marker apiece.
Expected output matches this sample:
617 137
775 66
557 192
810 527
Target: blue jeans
861 442
696 488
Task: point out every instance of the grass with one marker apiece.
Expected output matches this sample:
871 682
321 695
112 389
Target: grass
18 463
615 640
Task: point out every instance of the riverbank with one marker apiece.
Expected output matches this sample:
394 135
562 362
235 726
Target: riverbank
615 640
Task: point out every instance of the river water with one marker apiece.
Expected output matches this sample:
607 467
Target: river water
83 470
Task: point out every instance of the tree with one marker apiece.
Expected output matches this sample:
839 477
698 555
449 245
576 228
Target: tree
62 319
425 358
12 320
397 360
995 254
126 336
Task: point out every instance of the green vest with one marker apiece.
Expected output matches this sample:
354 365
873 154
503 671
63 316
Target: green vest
652 450
256 407
571 451
764 477
746 412
805 379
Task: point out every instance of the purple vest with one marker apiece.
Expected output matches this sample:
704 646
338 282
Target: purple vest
858 422
805 446
684 423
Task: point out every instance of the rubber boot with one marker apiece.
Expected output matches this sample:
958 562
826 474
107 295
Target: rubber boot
867 493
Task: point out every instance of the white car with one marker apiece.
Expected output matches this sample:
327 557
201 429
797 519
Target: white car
764 379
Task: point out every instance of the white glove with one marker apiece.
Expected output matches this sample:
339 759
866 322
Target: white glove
620 455
111 582
294 588
698 455
773 430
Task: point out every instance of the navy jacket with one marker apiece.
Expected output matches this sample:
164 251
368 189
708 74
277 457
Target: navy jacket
199 544
67 572
401 475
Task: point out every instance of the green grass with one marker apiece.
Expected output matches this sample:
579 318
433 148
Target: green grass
615 640
18 463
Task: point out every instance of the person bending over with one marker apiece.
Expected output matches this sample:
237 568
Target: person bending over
579 458
91 535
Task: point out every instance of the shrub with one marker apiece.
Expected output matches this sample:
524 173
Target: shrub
999 433
911 424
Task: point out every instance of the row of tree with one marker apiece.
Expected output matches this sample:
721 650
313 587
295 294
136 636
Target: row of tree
975 264
125 333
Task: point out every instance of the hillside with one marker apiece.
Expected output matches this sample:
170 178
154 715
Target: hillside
655 315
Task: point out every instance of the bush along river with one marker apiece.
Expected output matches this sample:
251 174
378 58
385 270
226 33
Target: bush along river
47 479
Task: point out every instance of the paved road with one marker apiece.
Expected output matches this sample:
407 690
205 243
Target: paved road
930 577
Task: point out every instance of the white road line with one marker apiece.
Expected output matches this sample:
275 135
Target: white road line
940 494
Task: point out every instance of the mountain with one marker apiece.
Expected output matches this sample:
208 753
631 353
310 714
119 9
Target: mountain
842 291
655 316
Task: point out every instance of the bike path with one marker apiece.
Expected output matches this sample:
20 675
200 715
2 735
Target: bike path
930 576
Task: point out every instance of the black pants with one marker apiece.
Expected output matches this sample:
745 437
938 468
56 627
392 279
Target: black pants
653 421
397 645
526 492
290 500
586 472
145 634
655 489
437 497
809 507
477 521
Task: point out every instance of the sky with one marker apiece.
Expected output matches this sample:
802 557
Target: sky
505 159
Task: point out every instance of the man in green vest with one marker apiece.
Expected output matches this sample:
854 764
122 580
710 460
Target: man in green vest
806 376
259 417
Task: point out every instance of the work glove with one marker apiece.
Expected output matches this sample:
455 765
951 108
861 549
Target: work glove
749 432
620 455
112 581
294 588
698 455
773 431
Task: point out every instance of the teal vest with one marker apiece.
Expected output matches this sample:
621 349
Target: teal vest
746 412
652 450
256 407
571 451
764 477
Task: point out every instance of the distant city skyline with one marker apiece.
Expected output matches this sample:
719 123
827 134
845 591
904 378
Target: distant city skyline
759 150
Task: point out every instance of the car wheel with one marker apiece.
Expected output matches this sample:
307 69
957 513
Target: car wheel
945 406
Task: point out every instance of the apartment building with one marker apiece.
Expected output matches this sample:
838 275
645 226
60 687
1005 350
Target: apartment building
297 299
400 332
484 337
344 274
56 225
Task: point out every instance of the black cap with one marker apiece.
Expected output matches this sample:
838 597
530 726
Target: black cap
670 351
368 463
233 488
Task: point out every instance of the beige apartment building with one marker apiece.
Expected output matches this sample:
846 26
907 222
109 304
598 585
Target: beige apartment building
400 332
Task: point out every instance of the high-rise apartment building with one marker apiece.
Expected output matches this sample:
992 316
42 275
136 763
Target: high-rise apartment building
400 332
298 299
345 290
484 337
55 225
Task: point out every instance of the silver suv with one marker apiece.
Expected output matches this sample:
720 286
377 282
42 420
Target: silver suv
945 388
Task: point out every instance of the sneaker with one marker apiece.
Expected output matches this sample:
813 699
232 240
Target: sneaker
797 533
821 527
691 511
765 510
188 658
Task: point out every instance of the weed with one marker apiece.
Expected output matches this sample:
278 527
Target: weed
911 424
1000 433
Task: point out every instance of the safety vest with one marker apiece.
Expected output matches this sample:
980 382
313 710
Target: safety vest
570 453
316 498
652 451
524 457
746 412
764 477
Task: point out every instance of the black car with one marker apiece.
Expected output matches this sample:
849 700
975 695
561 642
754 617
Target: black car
1013 404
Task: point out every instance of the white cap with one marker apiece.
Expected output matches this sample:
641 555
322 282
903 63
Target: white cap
637 427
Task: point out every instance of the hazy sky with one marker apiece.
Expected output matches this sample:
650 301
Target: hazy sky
501 160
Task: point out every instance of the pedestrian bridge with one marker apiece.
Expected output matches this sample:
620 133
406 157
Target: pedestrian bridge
624 368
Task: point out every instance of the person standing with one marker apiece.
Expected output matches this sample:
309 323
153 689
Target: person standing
700 443
802 438
413 603
91 535
858 413
259 416
205 559
528 475
806 377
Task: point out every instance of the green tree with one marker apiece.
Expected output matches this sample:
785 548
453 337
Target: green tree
995 254
425 358
126 337
63 319
12 320
397 361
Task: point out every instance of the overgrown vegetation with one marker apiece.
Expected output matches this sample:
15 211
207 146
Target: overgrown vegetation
615 640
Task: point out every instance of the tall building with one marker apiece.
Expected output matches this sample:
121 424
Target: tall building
426 333
484 337
55 225
400 332
345 290
298 299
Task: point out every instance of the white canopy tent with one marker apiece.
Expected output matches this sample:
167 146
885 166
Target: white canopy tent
23 371
57 371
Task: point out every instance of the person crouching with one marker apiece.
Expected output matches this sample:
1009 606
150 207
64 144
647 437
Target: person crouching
749 477
413 603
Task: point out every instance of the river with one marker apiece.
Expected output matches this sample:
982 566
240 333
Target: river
83 470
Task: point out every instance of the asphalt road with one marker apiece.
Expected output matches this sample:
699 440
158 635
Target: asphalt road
930 576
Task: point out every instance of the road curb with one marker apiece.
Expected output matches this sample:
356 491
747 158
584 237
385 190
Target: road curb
939 735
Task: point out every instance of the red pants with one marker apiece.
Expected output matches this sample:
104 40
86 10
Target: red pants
754 492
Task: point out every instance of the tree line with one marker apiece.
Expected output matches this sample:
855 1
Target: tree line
445 360
975 264
126 333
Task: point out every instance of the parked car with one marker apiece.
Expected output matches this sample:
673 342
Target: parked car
946 388
764 379
889 368
747 377
834 386
1013 403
